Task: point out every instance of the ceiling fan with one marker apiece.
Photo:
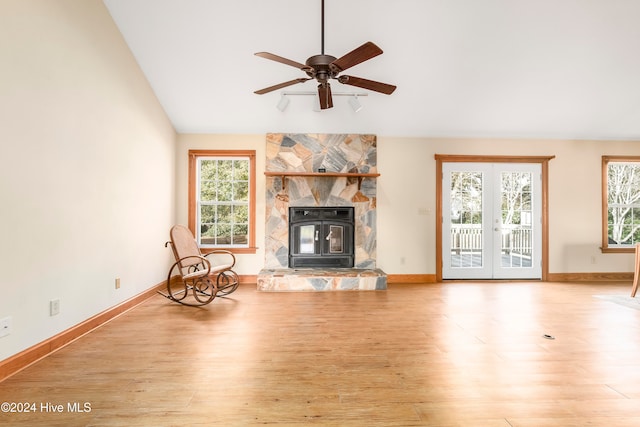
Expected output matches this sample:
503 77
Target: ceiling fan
325 67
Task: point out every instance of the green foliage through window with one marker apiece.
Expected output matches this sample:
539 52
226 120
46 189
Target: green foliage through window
222 199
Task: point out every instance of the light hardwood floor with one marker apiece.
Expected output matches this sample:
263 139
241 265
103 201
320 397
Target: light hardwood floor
453 354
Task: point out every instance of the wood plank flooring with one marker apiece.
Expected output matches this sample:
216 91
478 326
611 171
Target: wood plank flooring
452 354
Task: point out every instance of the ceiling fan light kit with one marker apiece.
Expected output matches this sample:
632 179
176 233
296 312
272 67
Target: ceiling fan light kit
353 101
323 68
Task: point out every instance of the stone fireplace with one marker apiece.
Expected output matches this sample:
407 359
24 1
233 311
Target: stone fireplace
312 172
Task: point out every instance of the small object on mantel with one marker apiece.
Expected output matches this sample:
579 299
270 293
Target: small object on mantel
322 170
549 337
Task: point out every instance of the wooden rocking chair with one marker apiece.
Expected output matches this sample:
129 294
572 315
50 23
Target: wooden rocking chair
195 275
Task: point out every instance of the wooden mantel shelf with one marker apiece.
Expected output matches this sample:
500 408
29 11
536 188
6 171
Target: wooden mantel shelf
331 174
358 175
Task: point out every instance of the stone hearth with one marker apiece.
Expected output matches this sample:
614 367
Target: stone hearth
321 279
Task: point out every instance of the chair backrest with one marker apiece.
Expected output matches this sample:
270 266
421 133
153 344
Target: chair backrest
184 246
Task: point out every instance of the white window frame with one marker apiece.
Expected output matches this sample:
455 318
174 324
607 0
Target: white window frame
610 245
195 160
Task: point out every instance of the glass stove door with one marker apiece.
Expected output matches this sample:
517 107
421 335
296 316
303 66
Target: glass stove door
308 238
335 237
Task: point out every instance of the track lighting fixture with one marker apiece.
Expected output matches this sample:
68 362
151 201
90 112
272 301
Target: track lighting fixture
354 99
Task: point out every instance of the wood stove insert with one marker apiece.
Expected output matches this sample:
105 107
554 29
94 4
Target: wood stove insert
321 237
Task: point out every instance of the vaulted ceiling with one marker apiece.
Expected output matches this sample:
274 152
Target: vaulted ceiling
464 68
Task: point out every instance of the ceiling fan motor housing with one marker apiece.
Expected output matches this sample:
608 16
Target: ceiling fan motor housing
320 67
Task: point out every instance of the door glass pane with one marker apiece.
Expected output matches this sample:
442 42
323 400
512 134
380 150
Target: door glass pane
466 219
517 215
307 245
336 245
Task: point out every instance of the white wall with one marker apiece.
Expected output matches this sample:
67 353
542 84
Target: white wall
406 197
87 169
406 211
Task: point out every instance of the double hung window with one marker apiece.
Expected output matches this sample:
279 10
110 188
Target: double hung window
620 203
222 199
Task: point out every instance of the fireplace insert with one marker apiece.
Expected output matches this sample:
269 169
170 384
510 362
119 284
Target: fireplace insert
321 237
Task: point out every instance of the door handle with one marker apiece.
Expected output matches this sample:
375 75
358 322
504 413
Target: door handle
316 239
328 236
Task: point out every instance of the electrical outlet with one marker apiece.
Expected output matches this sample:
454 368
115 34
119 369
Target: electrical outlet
54 307
5 326
118 283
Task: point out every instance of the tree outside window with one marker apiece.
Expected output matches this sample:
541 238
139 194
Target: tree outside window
621 203
222 199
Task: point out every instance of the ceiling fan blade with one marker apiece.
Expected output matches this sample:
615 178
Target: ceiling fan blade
367 84
324 95
280 86
281 60
356 56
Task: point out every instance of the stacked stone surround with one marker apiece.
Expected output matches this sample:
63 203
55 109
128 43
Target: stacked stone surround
309 153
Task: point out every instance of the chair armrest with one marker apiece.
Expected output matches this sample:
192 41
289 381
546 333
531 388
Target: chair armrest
231 258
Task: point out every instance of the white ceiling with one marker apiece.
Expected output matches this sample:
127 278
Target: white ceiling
464 68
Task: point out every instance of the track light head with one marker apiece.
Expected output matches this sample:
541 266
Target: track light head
283 103
355 103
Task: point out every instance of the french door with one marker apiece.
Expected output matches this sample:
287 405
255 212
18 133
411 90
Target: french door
492 220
